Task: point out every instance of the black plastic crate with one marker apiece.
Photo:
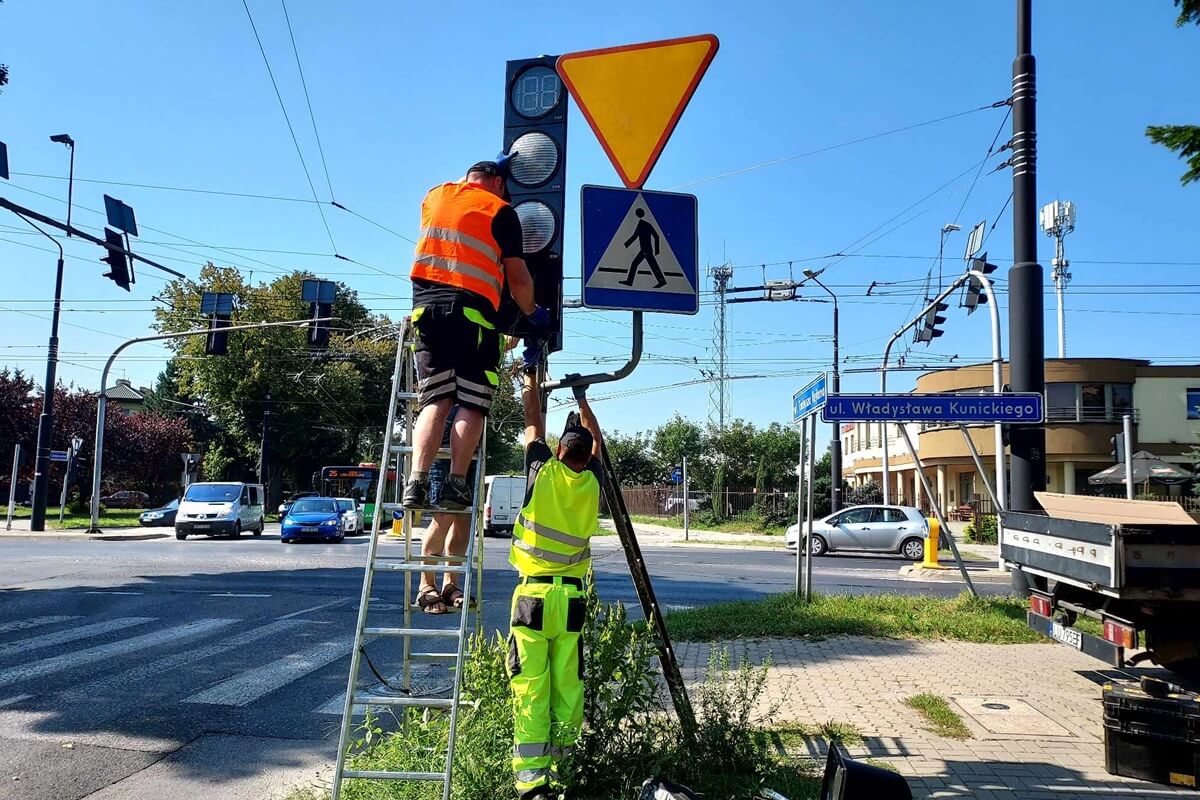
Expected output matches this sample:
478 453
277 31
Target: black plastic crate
1151 759
1173 718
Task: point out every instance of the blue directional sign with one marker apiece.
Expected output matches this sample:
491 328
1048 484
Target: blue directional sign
947 408
58 455
641 250
677 475
809 399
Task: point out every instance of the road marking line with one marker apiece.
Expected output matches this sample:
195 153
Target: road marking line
67 661
16 698
71 635
32 622
236 594
131 594
160 668
330 604
243 689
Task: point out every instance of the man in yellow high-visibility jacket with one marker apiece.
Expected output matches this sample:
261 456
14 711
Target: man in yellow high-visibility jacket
550 550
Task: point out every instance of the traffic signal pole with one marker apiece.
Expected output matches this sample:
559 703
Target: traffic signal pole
1026 329
101 403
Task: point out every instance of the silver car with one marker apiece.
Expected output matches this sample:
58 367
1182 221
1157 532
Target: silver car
883 529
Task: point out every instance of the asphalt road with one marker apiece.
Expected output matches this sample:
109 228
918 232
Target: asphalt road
216 668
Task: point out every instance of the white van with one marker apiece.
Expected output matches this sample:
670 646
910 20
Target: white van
505 494
225 508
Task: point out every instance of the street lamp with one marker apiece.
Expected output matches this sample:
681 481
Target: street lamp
835 443
64 139
947 229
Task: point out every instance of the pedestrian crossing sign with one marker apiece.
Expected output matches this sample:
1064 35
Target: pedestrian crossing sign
640 250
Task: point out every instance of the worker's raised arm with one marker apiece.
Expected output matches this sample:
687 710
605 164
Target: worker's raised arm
520 284
531 397
587 418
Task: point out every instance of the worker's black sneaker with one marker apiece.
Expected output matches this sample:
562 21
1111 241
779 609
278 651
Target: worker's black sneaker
416 494
456 493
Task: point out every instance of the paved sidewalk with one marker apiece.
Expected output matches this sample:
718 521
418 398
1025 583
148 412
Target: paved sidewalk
1041 737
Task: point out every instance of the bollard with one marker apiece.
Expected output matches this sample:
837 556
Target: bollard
931 545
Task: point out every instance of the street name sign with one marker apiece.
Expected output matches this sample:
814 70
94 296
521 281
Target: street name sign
947 408
809 399
633 96
58 455
641 250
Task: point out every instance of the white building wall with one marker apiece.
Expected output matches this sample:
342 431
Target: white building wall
1161 405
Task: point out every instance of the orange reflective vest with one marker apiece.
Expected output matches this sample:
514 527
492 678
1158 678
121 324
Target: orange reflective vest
457 247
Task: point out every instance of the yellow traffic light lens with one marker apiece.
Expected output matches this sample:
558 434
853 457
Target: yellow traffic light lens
536 92
536 159
538 225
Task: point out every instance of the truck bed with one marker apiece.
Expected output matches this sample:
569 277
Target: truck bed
1128 560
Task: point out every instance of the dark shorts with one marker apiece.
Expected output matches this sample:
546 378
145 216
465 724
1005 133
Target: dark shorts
457 353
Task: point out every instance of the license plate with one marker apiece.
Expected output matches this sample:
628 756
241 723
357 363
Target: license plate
202 527
309 530
500 518
1068 636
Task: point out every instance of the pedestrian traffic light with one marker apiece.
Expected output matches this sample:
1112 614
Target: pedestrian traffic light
535 135
319 296
218 307
116 259
928 329
974 294
1118 448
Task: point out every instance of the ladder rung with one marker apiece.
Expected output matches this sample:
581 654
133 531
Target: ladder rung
449 609
422 702
424 559
409 566
432 510
448 633
384 775
433 656
407 396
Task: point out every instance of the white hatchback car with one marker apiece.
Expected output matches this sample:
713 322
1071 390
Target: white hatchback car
351 514
882 529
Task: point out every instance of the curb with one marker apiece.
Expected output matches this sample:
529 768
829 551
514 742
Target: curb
950 573
126 537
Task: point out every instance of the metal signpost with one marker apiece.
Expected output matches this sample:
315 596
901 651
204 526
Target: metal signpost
946 409
805 405
640 250
12 486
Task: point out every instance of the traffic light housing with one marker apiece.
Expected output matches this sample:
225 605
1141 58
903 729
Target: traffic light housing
218 307
974 295
319 296
929 328
1118 448
535 130
116 259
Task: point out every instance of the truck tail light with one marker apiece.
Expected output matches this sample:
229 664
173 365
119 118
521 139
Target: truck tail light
1120 634
1040 605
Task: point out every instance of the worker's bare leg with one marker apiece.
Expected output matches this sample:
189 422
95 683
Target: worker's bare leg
432 544
464 438
456 543
427 434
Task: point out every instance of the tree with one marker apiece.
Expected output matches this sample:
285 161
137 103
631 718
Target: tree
1182 139
631 458
3 72
505 424
678 438
327 406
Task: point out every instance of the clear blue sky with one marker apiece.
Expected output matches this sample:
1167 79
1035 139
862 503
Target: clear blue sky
408 95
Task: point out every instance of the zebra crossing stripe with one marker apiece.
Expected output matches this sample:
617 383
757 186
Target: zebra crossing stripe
71 635
243 689
32 622
48 666
156 669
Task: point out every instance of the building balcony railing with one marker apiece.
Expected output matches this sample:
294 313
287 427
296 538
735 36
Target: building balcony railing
1088 414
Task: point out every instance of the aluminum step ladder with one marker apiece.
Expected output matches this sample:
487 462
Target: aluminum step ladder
402 413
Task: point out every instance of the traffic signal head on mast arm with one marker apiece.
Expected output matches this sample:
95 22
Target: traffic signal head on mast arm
975 295
116 259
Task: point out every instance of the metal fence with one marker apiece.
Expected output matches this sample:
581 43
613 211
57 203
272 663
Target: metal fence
667 501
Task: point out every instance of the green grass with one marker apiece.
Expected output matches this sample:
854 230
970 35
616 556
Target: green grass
731 526
113 518
941 718
991 620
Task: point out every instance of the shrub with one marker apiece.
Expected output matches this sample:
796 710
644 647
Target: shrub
867 494
982 530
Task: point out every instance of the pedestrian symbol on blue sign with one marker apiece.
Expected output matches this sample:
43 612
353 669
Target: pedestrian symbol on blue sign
640 250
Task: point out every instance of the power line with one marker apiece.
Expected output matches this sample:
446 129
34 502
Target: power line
288 120
308 100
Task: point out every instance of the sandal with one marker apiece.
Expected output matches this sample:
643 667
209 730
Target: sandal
452 595
430 601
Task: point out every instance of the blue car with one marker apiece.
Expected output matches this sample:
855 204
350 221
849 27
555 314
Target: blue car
314 518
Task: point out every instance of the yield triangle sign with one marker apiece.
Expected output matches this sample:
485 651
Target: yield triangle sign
632 96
